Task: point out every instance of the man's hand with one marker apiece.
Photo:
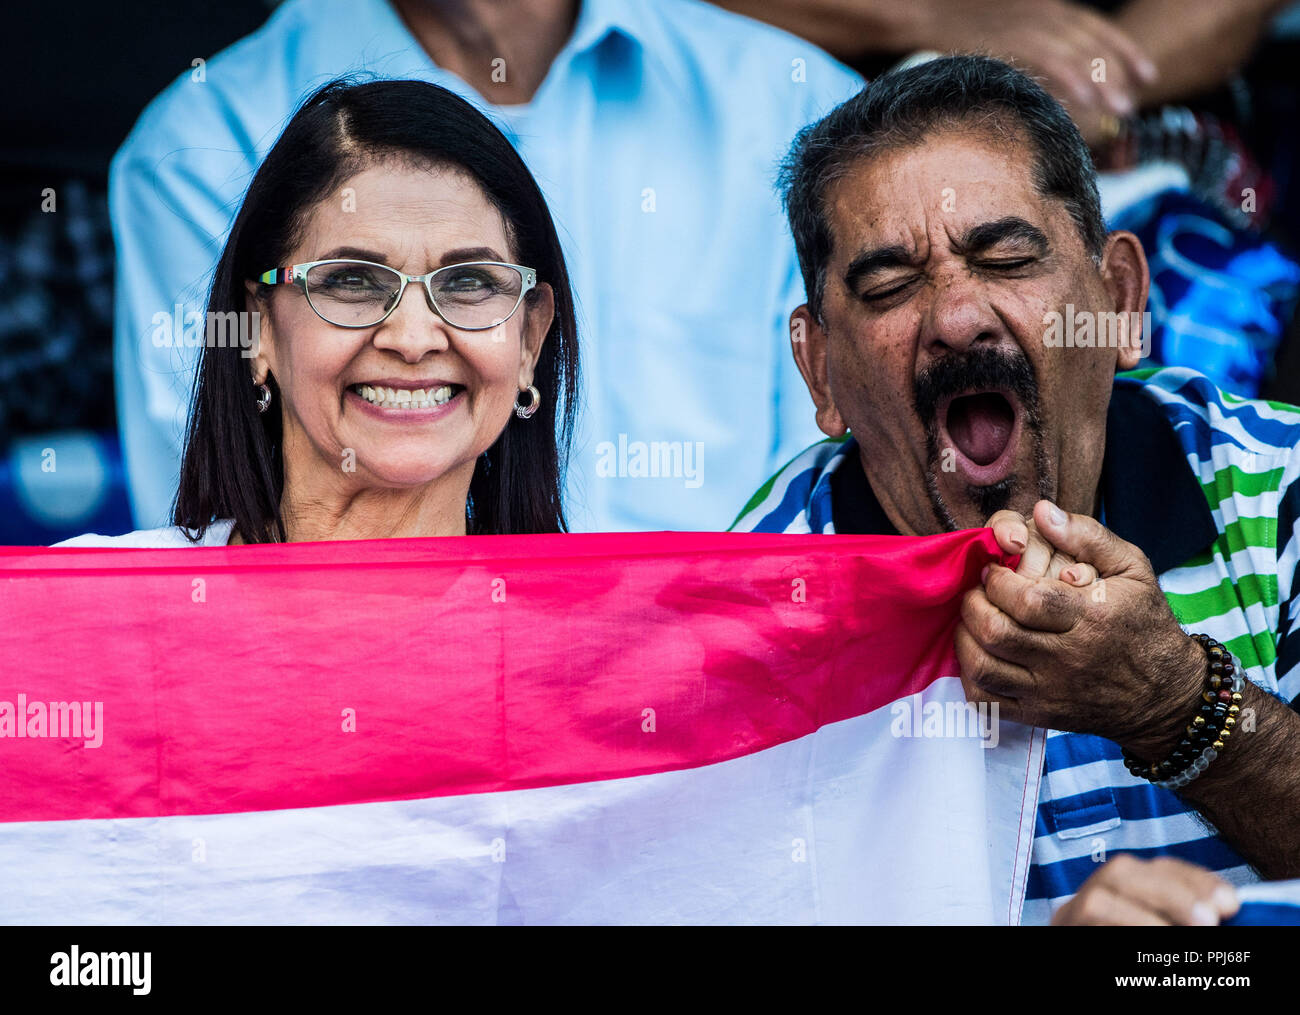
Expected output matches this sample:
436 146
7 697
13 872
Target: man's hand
1130 892
1110 659
1107 659
1089 60
1086 60
1038 558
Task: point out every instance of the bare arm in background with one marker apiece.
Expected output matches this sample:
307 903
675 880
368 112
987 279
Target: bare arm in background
1195 46
1155 51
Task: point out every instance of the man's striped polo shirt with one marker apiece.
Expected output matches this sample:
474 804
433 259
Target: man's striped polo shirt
1206 484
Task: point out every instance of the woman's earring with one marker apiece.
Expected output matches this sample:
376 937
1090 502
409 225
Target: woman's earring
263 397
526 411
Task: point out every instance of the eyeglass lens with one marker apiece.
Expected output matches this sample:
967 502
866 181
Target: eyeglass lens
470 296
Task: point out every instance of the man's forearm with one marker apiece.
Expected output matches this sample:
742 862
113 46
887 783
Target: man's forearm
847 29
1195 46
1251 793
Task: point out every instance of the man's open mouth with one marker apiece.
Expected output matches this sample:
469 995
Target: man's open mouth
983 428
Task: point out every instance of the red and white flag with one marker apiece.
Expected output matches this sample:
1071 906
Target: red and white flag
614 728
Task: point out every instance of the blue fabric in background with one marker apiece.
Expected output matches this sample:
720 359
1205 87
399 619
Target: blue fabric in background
1221 298
56 485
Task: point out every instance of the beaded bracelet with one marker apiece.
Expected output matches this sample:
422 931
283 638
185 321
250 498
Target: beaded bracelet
1210 728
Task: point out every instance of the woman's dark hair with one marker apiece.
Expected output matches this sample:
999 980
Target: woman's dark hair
232 466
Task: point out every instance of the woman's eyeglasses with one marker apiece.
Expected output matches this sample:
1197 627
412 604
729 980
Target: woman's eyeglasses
360 294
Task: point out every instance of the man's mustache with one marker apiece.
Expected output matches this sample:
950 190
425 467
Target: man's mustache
978 370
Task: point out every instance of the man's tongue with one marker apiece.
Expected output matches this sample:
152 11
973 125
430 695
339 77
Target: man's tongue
980 426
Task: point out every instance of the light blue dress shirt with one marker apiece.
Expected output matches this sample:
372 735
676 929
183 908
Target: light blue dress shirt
655 138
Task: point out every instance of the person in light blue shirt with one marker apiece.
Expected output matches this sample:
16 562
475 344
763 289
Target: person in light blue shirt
653 129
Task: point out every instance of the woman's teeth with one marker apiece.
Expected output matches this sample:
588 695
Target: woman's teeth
405 398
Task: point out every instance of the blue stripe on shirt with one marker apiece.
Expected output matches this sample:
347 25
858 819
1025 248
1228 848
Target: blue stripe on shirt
792 504
1063 877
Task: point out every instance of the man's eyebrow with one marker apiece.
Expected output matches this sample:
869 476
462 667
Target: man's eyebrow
877 259
986 235
975 240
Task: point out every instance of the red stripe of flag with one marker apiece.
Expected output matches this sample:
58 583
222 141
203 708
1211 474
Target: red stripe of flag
471 665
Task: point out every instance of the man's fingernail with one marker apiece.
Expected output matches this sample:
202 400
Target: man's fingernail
1019 544
1069 576
1225 899
984 575
1056 514
1204 915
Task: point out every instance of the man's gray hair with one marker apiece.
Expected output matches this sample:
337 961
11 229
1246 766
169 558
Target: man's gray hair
902 108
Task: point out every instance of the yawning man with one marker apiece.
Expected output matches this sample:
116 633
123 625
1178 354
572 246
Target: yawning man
947 221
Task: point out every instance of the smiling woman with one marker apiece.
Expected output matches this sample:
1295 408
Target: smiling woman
415 369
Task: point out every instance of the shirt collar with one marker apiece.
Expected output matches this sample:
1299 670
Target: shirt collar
597 19
822 501
601 26
1144 461
1142 455
607 41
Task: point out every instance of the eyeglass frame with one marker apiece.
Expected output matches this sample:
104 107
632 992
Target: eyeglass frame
296 274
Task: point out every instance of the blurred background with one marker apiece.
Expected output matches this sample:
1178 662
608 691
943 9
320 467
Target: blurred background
1203 167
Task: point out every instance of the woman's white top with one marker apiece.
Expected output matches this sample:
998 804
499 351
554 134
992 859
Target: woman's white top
218 534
